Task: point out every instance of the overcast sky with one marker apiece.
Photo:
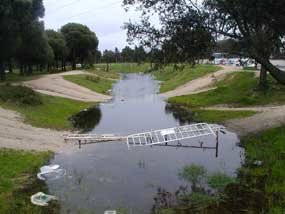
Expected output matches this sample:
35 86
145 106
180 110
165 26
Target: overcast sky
105 18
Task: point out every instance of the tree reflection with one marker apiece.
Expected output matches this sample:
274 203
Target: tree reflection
87 119
181 114
218 194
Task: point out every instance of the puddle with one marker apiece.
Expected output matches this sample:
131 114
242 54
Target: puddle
108 176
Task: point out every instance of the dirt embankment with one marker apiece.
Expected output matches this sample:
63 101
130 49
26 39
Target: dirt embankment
202 84
56 85
266 117
15 134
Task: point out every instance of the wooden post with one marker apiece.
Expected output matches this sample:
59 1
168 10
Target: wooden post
217 144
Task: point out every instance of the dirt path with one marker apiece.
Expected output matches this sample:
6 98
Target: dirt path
15 134
267 117
202 84
55 85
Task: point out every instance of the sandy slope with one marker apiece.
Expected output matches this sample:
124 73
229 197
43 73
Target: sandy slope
201 84
17 135
267 117
55 85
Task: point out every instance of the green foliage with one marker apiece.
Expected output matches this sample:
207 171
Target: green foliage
124 67
57 43
87 119
92 78
193 173
99 70
172 78
93 83
237 89
80 41
219 181
19 95
186 115
53 113
216 116
18 183
259 188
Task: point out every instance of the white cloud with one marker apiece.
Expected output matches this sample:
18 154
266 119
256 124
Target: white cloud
105 18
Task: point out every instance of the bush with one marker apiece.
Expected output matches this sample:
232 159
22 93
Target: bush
93 78
219 181
19 95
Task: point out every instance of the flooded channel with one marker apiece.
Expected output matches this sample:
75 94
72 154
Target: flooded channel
108 176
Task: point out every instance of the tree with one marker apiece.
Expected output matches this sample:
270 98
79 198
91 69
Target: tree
117 55
57 43
108 57
34 49
80 41
139 54
127 54
14 16
257 25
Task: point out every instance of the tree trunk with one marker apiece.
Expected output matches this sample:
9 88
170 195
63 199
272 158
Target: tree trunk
73 64
2 72
277 74
10 66
263 84
21 69
30 69
107 65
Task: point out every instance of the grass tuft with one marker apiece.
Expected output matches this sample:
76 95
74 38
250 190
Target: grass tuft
172 78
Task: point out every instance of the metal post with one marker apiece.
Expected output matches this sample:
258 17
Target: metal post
217 144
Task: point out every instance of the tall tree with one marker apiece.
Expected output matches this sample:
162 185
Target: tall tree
14 17
34 49
258 25
57 42
128 54
80 41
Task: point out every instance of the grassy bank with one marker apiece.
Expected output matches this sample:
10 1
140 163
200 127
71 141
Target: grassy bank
124 67
263 175
213 116
258 188
185 115
172 78
237 90
18 181
93 83
40 110
269 148
100 72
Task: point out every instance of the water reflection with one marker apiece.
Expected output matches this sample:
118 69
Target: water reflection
181 114
87 119
109 176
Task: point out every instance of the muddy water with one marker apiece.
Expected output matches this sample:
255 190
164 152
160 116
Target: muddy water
108 176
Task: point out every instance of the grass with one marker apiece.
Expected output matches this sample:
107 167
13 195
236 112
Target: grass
18 181
216 116
268 147
100 72
124 67
53 112
172 78
237 90
93 83
16 77
185 115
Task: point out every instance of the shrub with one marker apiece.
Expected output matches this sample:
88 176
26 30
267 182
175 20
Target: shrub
93 78
19 95
193 173
219 181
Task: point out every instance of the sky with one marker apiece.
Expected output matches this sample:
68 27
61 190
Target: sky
104 17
